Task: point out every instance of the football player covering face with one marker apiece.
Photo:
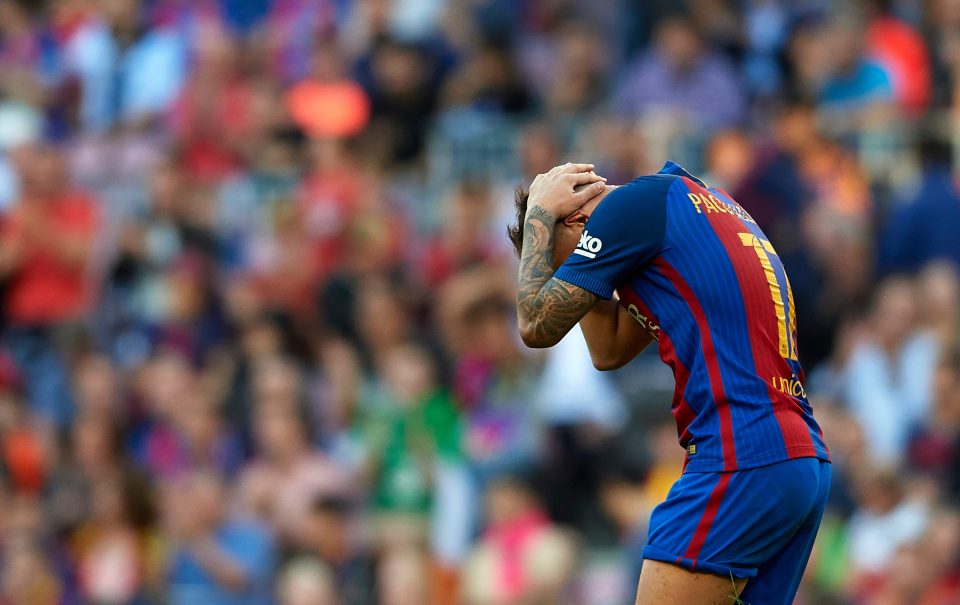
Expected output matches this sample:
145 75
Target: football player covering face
667 258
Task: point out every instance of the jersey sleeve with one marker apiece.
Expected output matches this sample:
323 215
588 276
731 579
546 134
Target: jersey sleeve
625 232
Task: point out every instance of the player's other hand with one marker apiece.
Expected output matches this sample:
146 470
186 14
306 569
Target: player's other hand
565 189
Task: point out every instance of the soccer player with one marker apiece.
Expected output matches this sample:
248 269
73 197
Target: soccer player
666 258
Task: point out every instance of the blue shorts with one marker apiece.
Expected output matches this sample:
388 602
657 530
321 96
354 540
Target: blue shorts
758 523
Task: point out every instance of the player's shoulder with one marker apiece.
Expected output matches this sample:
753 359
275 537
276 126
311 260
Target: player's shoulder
643 192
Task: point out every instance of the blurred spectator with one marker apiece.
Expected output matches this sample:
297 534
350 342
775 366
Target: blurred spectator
889 375
217 558
857 91
522 557
116 550
887 520
280 483
412 426
491 377
668 81
917 229
125 71
336 546
933 446
902 53
44 259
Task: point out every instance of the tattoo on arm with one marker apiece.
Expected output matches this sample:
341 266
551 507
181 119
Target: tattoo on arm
547 308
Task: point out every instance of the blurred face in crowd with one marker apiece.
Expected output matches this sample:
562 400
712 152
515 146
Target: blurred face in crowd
941 542
403 578
260 339
108 503
330 528
939 289
796 128
730 157
381 315
27 576
507 500
306 583
879 491
165 381
277 384
946 390
165 189
207 498
199 422
279 434
43 172
845 40
908 572
95 385
410 373
93 443
467 214
894 313
399 70
489 324
679 42
539 150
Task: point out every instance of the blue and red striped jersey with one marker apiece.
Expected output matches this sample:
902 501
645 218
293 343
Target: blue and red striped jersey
697 272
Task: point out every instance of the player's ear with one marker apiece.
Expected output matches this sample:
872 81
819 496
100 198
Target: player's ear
577 218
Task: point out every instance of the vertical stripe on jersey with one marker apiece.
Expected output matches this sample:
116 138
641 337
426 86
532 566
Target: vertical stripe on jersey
763 325
679 408
729 453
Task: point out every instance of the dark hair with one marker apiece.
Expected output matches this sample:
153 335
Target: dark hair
515 232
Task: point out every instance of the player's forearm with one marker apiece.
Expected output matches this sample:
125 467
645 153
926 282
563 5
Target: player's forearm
613 337
546 307
599 327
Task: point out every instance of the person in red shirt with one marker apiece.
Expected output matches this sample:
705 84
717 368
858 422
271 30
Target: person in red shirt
45 250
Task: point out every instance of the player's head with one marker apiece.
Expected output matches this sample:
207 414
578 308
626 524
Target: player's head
567 232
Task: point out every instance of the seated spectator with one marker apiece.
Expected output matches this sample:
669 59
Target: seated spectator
935 445
334 543
921 227
939 288
887 518
492 378
858 92
522 557
889 374
285 476
219 559
671 77
114 549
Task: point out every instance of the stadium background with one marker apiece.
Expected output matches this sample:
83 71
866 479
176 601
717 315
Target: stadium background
258 343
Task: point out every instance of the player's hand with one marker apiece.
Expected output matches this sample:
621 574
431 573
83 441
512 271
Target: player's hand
565 189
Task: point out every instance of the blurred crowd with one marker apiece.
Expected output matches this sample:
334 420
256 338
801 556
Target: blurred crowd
258 343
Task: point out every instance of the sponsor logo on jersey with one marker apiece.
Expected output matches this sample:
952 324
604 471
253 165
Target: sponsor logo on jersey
588 246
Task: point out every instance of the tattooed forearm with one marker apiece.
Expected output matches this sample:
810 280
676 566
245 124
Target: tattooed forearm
546 307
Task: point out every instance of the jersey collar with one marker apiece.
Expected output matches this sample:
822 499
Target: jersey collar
672 167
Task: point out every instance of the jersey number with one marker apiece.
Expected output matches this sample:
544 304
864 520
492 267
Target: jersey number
787 325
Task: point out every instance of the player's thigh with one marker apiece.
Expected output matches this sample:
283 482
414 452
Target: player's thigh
665 584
